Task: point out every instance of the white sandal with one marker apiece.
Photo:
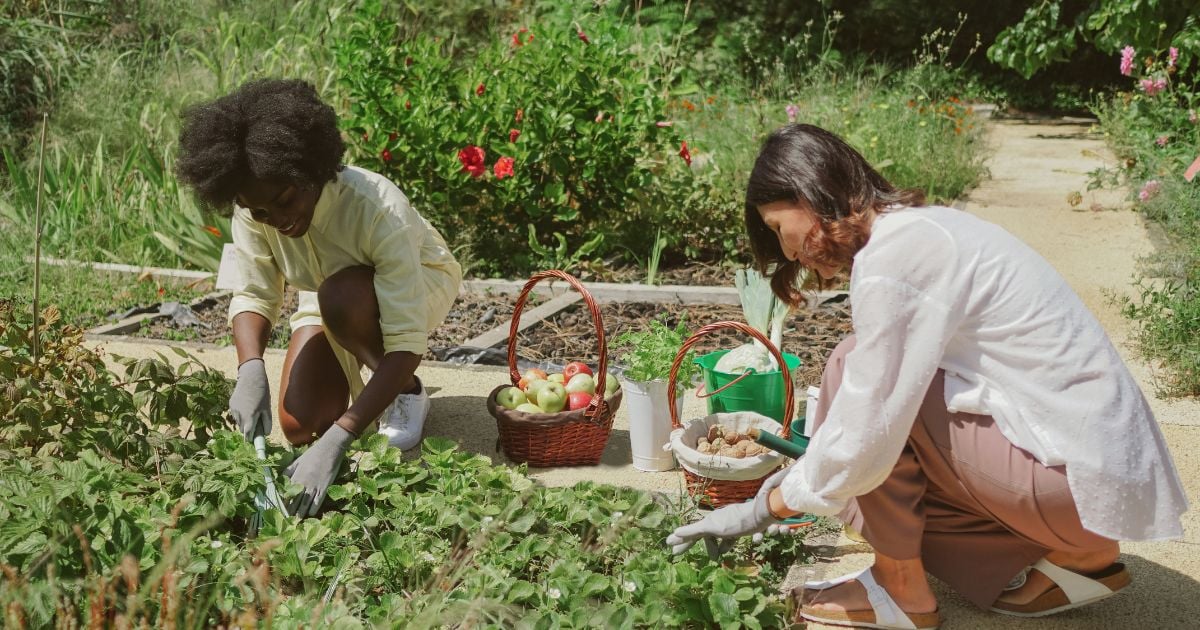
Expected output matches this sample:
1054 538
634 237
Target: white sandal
1070 590
884 614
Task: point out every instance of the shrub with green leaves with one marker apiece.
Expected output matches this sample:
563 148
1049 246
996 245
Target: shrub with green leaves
550 131
648 354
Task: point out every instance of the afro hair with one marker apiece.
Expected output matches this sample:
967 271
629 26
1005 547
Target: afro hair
268 129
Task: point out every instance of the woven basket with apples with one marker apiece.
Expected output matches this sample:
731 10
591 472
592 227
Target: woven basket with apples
561 419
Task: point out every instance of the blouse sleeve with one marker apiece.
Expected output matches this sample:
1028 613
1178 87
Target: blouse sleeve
394 246
901 333
261 287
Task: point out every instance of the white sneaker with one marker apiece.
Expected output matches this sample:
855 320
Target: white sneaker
404 420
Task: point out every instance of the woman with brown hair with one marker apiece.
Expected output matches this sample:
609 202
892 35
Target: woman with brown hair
979 425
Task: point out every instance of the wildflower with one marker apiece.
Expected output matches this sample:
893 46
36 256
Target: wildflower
554 593
1162 140
617 515
472 160
685 154
216 544
1127 54
1193 117
583 37
386 155
161 291
479 90
513 134
392 137
502 169
520 115
1172 56
688 105
710 100
1152 86
407 104
628 585
428 557
1149 190
488 519
212 229
600 117
516 38
792 112
664 123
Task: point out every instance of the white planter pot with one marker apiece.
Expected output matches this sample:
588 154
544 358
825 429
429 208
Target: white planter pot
649 423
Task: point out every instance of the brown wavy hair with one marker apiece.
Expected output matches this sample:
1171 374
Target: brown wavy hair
808 165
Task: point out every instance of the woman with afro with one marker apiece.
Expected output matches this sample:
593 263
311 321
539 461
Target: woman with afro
374 276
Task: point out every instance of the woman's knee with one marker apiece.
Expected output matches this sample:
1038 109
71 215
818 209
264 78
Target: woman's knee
304 427
347 296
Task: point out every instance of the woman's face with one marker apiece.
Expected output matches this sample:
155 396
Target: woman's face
281 205
792 221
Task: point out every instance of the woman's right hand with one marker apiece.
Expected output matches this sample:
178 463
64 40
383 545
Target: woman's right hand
250 404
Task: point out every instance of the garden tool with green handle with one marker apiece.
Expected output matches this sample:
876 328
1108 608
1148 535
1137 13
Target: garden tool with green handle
269 498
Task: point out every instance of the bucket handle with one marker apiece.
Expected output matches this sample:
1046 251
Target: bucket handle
789 405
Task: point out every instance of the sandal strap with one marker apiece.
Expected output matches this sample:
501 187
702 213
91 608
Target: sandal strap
1076 587
887 612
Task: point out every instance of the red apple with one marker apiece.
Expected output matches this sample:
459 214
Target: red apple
578 400
533 374
576 367
581 383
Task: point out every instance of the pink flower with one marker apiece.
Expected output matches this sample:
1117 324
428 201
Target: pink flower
1172 56
1152 86
513 134
1161 140
1127 54
1192 117
792 112
685 154
664 123
583 37
1149 190
472 160
503 168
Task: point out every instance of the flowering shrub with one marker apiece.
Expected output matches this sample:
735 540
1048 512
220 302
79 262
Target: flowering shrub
553 128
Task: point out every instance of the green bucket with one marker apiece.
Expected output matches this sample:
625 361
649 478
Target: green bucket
763 393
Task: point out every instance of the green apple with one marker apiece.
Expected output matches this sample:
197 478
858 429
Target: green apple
581 383
532 389
556 378
528 408
552 397
511 397
610 384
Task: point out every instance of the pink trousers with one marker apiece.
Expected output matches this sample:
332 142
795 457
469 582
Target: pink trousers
975 508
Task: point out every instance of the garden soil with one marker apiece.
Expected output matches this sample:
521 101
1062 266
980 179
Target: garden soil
1034 167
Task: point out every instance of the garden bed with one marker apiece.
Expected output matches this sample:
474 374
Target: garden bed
564 336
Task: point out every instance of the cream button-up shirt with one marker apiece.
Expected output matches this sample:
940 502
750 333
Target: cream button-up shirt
361 218
938 288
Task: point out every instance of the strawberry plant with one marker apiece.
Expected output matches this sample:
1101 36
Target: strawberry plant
124 502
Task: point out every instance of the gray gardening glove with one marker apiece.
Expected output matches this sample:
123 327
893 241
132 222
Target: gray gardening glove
250 404
316 468
721 529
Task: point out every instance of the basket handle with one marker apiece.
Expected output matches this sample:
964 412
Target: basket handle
596 409
789 394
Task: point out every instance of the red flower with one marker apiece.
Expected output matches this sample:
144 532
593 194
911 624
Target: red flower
520 116
408 61
386 155
364 136
407 104
685 154
513 134
472 160
392 137
516 39
503 168
213 230
583 36
479 90
161 291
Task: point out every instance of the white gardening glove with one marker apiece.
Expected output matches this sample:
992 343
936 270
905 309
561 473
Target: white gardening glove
721 528
772 482
250 404
316 469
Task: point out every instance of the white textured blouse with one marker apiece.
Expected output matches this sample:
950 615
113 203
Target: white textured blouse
938 288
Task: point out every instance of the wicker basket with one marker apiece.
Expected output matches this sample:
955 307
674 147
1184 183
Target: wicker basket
566 438
721 492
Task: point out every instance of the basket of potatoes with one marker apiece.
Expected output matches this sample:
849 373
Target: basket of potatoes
721 463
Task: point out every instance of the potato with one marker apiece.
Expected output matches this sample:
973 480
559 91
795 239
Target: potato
715 432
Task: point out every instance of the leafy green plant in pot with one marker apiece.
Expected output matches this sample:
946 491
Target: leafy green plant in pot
647 356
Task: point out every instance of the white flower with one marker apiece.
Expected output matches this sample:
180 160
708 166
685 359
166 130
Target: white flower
554 593
629 586
428 557
216 544
487 519
617 515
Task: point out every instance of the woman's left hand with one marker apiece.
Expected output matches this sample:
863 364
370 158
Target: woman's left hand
721 529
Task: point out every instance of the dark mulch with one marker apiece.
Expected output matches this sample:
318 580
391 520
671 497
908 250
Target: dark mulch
570 334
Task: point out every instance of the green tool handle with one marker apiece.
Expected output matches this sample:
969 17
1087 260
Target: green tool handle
776 443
